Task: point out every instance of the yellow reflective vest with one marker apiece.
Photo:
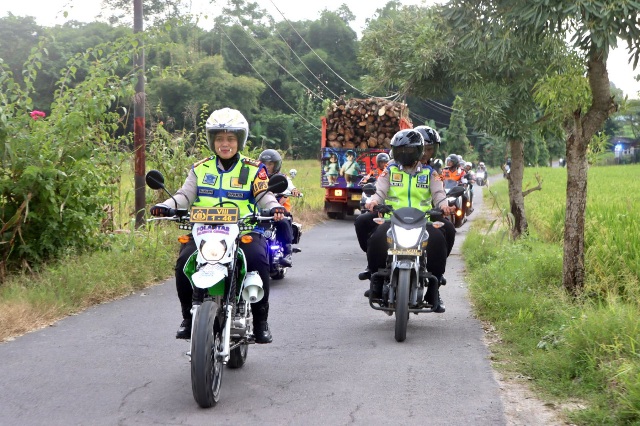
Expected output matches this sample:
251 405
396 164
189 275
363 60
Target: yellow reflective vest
407 190
246 179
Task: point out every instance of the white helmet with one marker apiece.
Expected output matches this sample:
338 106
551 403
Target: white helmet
227 120
293 173
470 164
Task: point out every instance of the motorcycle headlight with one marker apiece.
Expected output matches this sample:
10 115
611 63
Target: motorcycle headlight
407 238
213 250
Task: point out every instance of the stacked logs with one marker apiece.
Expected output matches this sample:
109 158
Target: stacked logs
363 123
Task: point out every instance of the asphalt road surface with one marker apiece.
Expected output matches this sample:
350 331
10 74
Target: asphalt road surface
333 361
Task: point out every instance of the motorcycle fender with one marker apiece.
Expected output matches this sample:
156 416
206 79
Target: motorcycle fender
405 264
210 275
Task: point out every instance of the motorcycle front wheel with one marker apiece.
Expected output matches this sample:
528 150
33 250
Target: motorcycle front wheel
206 362
402 304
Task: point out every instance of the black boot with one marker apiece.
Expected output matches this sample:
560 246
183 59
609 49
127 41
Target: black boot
375 289
184 331
365 275
286 259
261 331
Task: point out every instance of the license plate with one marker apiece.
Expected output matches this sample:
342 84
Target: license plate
214 214
357 197
405 252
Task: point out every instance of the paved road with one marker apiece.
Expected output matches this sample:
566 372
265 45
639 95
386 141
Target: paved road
334 361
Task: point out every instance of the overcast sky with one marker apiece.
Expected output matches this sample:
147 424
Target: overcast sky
51 12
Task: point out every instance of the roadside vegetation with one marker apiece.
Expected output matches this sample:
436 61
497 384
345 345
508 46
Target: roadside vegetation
580 354
128 261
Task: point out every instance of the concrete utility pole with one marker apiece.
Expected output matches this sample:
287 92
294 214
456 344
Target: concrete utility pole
138 117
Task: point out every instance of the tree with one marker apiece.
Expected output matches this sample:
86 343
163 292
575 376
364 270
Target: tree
455 137
431 54
595 27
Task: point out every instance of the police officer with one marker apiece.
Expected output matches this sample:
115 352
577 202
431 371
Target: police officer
432 143
226 176
284 229
404 183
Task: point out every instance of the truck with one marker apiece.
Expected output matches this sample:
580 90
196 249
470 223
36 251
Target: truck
354 132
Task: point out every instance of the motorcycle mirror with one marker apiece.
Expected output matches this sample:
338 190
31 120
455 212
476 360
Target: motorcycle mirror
154 179
278 184
456 191
369 189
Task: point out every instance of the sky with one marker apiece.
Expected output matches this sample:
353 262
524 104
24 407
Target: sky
51 12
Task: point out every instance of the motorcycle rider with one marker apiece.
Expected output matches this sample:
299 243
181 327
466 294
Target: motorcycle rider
394 187
454 172
284 230
227 175
432 143
364 223
381 163
471 180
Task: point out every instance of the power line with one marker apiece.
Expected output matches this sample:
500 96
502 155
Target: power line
276 61
266 82
327 65
305 65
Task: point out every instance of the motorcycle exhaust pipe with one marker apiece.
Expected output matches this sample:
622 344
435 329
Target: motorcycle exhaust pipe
252 290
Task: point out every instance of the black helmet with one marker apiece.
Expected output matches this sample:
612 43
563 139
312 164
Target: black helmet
431 139
407 147
273 156
383 157
429 134
454 161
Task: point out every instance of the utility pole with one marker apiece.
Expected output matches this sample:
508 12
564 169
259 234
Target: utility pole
138 118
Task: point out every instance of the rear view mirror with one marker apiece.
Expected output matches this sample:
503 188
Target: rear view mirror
154 179
369 189
278 184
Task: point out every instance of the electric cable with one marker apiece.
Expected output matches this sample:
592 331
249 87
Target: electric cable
277 62
267 83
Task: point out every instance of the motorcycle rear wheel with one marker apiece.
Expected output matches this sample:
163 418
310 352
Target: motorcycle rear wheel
402 304
238 356
206 363
279 274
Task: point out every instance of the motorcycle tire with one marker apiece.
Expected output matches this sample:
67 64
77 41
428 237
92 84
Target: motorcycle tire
206 362
279 274
458 221
238 356
402 304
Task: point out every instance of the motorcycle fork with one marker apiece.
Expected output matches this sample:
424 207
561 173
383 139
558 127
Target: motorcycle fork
405 263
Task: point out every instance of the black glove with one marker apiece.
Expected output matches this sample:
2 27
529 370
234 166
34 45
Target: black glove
159 210
277 210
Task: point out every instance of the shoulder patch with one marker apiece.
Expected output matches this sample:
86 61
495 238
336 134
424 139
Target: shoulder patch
251 162
196 164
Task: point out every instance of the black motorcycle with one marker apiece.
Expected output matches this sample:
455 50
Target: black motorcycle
406 279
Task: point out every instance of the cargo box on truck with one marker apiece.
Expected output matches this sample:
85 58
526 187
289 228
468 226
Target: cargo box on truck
354 132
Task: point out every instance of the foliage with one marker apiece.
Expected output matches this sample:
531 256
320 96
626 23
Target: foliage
58 172
455 136
584 349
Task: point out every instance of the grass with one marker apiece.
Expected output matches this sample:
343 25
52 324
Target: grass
587 349
29 301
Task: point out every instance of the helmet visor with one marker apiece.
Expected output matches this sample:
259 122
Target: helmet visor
407 155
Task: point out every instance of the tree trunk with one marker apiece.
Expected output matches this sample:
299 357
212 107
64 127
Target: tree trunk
580 130
516 199
577 167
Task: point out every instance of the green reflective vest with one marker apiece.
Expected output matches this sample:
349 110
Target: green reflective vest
239 184
407 190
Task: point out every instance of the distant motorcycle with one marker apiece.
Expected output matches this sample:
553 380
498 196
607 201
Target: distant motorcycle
368 187
276 251
455 191
481 177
